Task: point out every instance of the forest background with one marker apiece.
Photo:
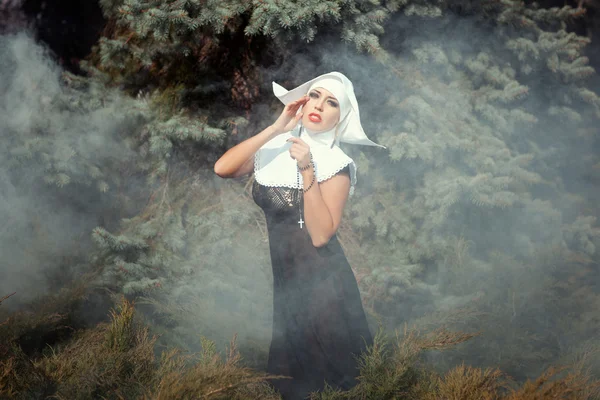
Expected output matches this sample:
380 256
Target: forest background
480 217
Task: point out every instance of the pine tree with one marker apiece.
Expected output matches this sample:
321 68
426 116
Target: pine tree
468 130
484 136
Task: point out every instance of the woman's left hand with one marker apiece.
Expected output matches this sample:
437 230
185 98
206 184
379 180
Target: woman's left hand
299 151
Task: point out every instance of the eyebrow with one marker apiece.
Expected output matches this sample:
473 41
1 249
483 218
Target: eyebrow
329 97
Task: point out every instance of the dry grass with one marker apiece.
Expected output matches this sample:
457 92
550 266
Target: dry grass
467 383
573 385
396 372
1 300
206 376
43 318
18 377
113 359
116 360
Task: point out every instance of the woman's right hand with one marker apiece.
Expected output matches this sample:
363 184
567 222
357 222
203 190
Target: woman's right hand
288 118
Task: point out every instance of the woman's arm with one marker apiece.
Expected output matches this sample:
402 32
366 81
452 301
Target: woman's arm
323 206
237 161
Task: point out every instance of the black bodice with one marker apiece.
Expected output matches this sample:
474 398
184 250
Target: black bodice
276 200
280 201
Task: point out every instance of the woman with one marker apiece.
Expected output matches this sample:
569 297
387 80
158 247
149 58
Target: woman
302 182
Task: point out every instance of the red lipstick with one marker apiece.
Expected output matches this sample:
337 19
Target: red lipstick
314 117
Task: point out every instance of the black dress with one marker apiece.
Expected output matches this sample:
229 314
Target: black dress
318 317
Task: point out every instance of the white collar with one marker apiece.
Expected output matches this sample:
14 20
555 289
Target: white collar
274 167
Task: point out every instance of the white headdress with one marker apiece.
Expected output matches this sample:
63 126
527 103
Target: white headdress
273 165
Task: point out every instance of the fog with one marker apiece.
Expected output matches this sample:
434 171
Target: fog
481 214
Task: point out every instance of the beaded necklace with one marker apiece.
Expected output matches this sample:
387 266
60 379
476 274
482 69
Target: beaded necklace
300 221
301 188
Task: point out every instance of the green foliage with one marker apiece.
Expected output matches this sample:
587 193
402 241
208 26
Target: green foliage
63 151
469 137
182 22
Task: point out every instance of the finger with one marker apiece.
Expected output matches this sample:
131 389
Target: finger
292 105
298 141
296 152
294 141
298 103
302 99
296 107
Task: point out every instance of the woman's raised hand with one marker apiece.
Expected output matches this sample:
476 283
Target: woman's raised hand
288 118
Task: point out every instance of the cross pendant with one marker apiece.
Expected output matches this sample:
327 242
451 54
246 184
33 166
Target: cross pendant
301 222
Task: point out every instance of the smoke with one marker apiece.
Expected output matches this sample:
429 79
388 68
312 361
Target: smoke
54 157
471 218
488 192
458 215
12 17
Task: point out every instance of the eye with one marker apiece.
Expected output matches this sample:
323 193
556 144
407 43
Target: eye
314 95
333 103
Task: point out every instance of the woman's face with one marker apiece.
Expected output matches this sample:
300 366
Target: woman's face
321 112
